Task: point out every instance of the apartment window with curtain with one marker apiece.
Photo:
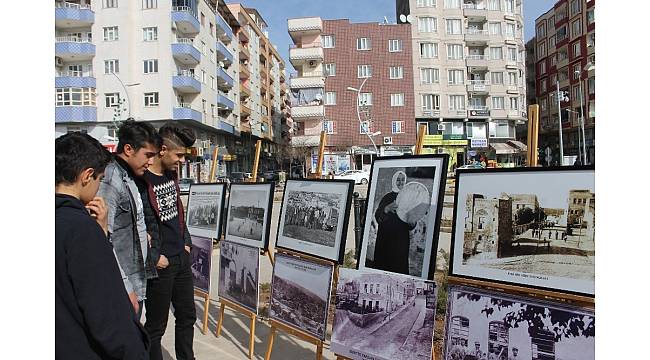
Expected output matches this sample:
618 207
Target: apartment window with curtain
476 130
149 4
514 103
109 3
542 86
577 95
512 78
212 56
75 97
453 26
576 71
541 49
576 28
456 77
542 67
112 99
425 3
494 5
541 30
501 129
590 16
454 52
328 41
591 85
494 28
364 71
365 99
328 126
111 33
363 44
397 127
496 53
575 47
428 50
510 29
150 66
496 78
330 98
364 128
453 128
150 33
512 54
430 102
396 72
509 6
456 102
497 102
429 76
330 69
396 99
151 99
452 4
111 66
576 5
427 24
394 45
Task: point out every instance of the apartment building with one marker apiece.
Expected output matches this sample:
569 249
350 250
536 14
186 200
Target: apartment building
469 76
261 81
354 82
565 56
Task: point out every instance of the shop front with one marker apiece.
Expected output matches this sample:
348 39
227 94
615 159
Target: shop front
454 145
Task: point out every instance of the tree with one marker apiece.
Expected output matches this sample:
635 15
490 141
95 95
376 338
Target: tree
527 215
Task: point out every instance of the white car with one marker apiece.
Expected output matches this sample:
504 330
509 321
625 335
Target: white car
359 176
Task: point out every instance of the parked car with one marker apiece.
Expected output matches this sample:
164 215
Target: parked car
270 176
470 166
184 185
359 176
237 177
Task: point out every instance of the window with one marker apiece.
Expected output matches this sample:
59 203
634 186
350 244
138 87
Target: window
425 3
510 6
213 110
363 44
563 75
330 69
365 99
497 102
452 4
510 29
427 24
364 128
204 77
591 85
111 33
364 71
496 78
75 97
203 51
543 105
512 78
494 28
562 55
213 83
575 47
453 128
514 103
561 33
150 66
204 106
328 41
541 49
394 45
576 71
110 3
151 99
429 76
212 56
456 77
590 16
591 40
111 66
428 50
542 67
501 129
554 60
396 99
456 102
453 26
330 98
454 52
512 54
212 30
203 23
496 53
396 72
112 99
577 95
592 109
149 4
475 130
542 86
541 30
328 127
575 6
576 28
494 4
150 33
398 127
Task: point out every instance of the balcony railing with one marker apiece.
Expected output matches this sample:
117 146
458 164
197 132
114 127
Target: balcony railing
187 73
476 57
70 5
73 38
74 73
182 8
478 82
477 107
473 31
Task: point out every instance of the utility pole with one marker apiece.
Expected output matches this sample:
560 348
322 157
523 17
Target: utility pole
560 97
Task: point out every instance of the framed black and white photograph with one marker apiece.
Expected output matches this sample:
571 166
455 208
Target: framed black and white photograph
300 293
382 315
204 206
526 226
403 214
201 266
314 217
249 214
239 269
486 325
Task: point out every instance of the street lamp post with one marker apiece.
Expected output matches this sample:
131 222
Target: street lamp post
579 149
128 99
582 114
560 96
370 136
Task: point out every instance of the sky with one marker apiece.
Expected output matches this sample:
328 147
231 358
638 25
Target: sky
276 13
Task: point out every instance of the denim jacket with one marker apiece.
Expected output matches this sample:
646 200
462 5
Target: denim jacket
116 189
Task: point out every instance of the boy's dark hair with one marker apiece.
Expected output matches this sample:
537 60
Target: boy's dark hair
75 152
136 134
175 136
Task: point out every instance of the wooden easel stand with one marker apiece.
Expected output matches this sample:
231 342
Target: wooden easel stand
252 315
275 325
206 298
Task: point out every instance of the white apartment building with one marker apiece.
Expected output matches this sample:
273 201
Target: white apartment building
152 60
469 75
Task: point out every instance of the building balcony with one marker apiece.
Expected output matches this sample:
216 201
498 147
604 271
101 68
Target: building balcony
225 82
184 52
478 86
72 15
303 27
475 12
515 114
303 82
477 61
186 82
478 112
244 53
224 103
244 73
184 111
299 56
224 54
305 140
64 114
283 77
244 91
77 79
511 64
244 110
476 37
283 90
185 19
224 31
309 111
512 89
565 83
224 125
74 48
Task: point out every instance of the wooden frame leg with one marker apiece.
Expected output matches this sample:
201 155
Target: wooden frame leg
269 348
319 351
205 315
251 345
220 322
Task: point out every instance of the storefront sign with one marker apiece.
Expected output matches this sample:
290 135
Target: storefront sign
479 143
454 137
479 113
438 140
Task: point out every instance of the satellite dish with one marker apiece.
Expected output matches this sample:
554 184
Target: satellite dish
402 18
409 18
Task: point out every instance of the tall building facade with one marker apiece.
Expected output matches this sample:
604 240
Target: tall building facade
469 76
154 61
565 56
354 82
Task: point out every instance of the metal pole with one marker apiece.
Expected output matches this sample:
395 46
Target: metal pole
359 117
128 100
559 113
582 122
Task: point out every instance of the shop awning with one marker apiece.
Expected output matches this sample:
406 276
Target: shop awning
519 145
503 148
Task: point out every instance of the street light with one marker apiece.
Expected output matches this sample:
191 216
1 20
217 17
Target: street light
370 136
579 150
128 99
588 68
561 96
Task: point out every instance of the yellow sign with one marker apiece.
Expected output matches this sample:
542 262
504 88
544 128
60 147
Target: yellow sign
437 140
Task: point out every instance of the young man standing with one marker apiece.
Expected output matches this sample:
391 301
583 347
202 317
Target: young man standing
138 144
170 246
94 319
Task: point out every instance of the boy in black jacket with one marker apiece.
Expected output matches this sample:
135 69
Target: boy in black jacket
94 317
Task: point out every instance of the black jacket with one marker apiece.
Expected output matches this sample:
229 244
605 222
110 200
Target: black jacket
94 318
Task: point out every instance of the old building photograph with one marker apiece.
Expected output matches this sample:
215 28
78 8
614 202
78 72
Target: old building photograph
239 274
201 262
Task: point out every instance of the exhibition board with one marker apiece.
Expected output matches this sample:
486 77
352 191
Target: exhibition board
204 209
250 206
